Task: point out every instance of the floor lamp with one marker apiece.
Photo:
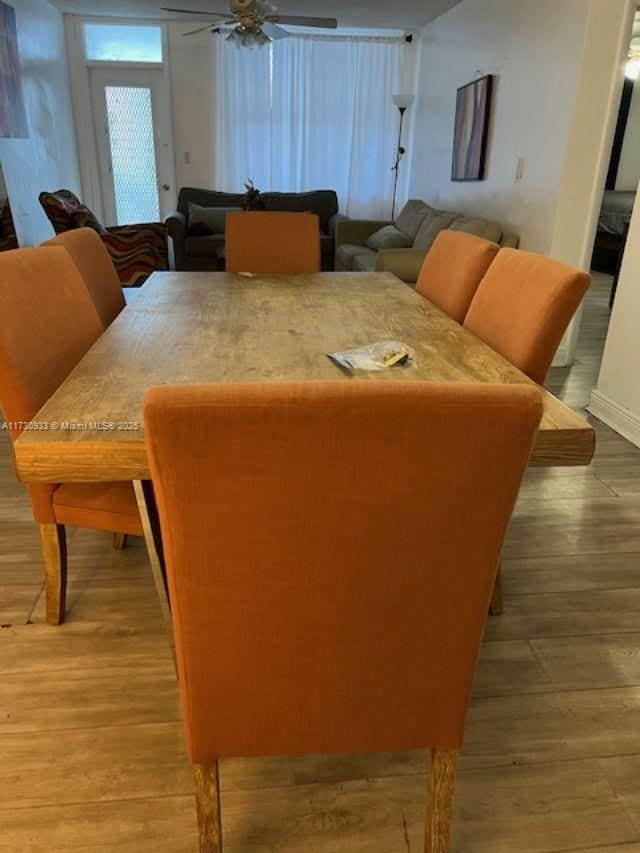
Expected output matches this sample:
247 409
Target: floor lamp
402 102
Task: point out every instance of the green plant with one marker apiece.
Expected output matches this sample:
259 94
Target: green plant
252 199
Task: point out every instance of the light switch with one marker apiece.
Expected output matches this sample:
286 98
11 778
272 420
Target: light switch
519 168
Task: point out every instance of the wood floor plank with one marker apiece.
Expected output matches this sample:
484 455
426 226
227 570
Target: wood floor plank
571 573
509 667
623 775
88 645
566 614
93 765
47 702
556 726
17 602
585 662
164 825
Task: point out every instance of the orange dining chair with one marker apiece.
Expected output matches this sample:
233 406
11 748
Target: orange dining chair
523 306
94 264
270 242
47 323
335 600
453 269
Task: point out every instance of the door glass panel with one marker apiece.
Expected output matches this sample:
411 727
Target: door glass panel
133 154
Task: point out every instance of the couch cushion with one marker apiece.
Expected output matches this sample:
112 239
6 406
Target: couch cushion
206 198
204 247
411 217
364 263
204 221
433 224
387 238
480 227
322 202
347 253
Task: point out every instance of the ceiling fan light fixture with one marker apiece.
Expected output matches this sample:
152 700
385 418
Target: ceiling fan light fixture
243 37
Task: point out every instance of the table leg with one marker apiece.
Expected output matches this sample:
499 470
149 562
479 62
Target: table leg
153 538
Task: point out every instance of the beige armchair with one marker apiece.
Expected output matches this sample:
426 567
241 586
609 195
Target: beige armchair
419 224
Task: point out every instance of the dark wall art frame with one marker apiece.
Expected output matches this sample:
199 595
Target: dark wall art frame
471 132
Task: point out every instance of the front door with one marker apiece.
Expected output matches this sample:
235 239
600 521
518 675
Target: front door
134 149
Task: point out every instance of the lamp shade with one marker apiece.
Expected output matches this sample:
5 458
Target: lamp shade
403 102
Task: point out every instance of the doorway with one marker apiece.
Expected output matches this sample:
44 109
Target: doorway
133 137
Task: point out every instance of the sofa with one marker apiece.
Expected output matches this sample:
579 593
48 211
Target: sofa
195 249
361 246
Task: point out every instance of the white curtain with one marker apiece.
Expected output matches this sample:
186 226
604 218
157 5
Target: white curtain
309 113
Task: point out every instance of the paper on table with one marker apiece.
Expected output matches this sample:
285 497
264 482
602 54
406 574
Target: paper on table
382 355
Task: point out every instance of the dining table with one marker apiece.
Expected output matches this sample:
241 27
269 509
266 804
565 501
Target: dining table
205 327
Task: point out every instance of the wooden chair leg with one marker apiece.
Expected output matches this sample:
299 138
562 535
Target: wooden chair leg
153 539
54 551
119 541
495 608
208 807
441 782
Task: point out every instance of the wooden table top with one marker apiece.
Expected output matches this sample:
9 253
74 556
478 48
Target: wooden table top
185 327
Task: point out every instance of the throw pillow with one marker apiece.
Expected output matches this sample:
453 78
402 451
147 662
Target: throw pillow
204 221
388 238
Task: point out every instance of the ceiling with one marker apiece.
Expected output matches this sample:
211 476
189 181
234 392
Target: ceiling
399 14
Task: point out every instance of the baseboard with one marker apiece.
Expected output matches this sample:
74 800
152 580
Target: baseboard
622 420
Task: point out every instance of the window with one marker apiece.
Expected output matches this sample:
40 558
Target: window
122 43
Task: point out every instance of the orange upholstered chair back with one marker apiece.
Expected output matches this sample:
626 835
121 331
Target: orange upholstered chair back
331 551
47 323
453 269
94 263
272 242
523 307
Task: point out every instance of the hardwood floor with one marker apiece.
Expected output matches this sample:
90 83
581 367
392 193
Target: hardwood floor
90 733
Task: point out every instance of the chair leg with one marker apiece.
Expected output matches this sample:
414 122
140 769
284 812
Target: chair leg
119 541
441 782
153 539
208 807
54 551
495 608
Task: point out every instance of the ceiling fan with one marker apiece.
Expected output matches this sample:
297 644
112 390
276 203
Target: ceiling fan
254 22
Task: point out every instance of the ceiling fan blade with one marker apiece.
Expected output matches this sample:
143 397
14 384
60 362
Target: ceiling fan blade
274 32
302 21
199 30
196 12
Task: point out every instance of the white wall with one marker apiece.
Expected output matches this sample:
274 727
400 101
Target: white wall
47 159
558 77
616 399
193 88
629 168
535 51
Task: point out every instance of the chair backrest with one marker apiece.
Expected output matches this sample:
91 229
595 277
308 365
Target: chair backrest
331 550
453 269
65 211
272 242
523 306
47 323
94 264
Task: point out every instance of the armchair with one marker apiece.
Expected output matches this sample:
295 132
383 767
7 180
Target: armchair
136 250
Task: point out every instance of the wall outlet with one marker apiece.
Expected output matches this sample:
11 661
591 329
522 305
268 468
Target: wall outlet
519 168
